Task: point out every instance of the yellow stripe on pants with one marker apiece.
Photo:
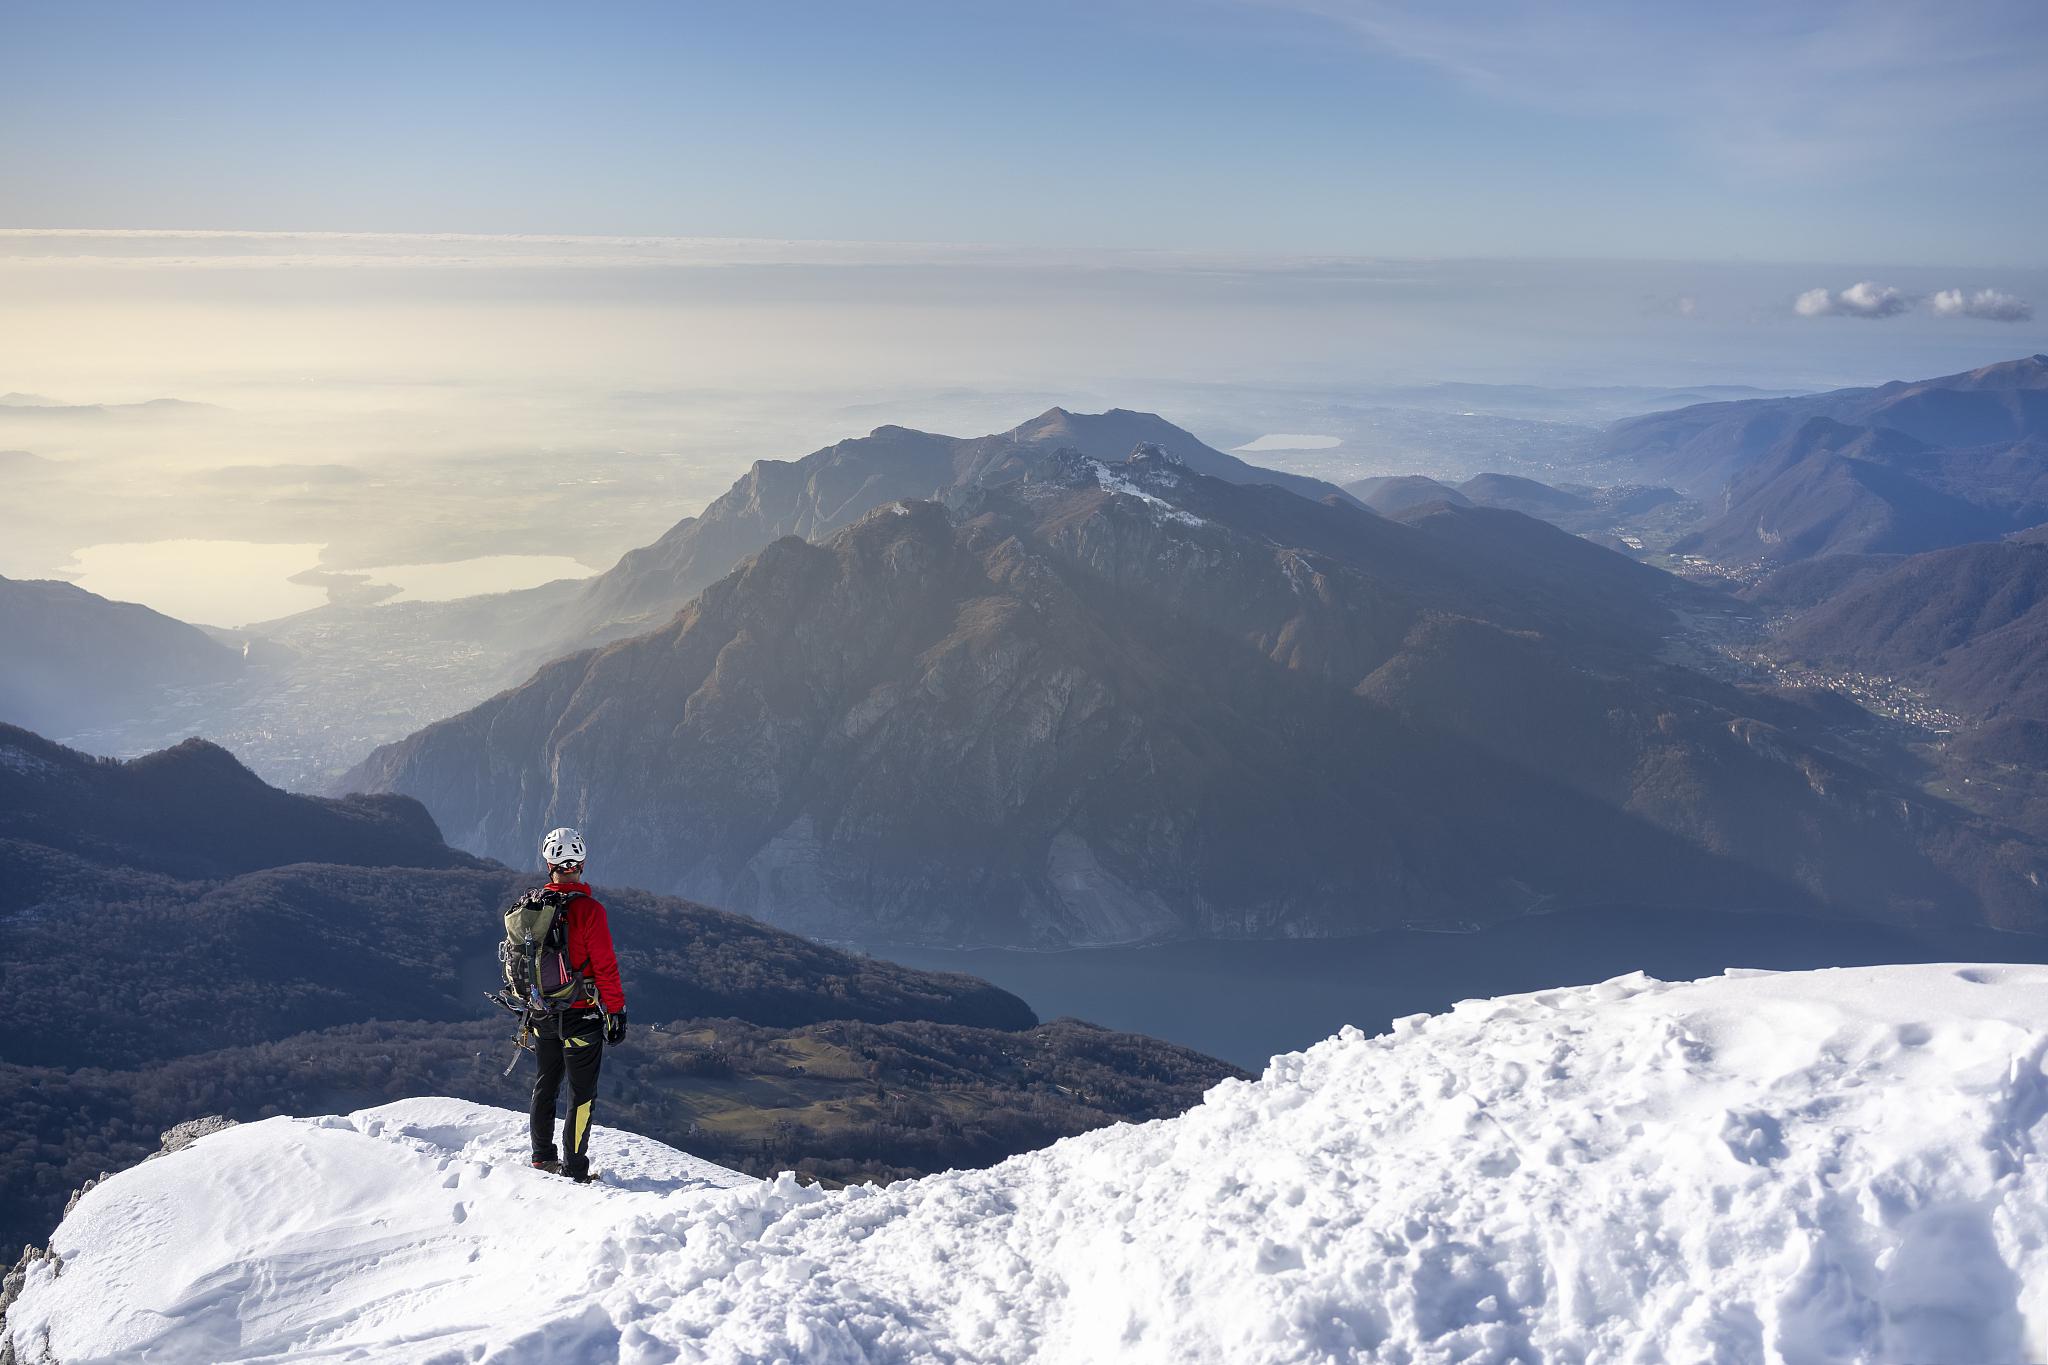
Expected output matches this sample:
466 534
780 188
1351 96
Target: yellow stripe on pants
582 1126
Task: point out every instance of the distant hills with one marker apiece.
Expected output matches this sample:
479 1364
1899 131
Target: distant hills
1391 493
1097 701
1578 508
1698 449
1524 495
259 950
1569 403
75 660
29 407
1830 488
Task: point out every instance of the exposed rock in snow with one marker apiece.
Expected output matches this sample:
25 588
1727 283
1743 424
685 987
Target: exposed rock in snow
1114 482
1805 1167
179 1136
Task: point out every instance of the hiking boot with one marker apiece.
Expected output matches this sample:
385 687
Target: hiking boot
548 1164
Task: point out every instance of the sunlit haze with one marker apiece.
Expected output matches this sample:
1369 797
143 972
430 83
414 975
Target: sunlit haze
485 282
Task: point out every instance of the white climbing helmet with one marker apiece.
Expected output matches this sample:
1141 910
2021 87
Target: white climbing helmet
562 845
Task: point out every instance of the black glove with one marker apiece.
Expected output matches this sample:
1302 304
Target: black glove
615 1029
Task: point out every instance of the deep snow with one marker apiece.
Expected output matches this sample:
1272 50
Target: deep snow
1823 1166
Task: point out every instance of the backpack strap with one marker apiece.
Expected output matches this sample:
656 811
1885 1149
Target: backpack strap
563 901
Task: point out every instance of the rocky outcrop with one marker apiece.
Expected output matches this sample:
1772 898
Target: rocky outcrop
180 1136
15 1280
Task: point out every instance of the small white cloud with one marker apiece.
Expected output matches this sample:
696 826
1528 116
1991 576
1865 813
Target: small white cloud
1814 303
1867 299
1991 304
1872 300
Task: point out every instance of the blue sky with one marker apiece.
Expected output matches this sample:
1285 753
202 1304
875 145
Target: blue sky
1873 133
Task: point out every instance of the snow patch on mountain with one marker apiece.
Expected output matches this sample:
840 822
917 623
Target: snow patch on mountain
1113 482
1840 1165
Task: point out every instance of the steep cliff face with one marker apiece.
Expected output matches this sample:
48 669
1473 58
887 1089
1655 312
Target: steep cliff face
1105 703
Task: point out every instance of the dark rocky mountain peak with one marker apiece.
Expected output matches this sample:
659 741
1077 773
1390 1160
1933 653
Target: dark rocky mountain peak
1105 435
1148 452
195 761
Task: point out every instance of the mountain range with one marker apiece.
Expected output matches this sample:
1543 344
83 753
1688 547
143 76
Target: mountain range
1577 508
1830 488
1109 701
327 684
1699 449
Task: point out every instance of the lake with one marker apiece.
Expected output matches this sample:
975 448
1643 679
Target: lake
1246 1001
232 582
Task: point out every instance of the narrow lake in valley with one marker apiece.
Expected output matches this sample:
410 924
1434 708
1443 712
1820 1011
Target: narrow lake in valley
1245 1001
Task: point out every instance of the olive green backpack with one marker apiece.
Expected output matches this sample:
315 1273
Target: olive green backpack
535 952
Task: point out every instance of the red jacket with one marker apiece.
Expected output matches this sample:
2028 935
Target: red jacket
590 945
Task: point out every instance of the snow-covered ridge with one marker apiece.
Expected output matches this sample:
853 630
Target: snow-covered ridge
1114 481
1815 1166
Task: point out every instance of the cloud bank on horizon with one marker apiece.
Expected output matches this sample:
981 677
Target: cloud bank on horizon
1869 299
1990 304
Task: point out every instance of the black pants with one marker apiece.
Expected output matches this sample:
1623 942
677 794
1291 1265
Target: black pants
573 1043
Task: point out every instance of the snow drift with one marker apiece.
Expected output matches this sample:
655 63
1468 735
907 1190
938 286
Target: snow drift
1822 1166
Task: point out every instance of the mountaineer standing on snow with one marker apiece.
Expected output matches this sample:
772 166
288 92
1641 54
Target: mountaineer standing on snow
590 1015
